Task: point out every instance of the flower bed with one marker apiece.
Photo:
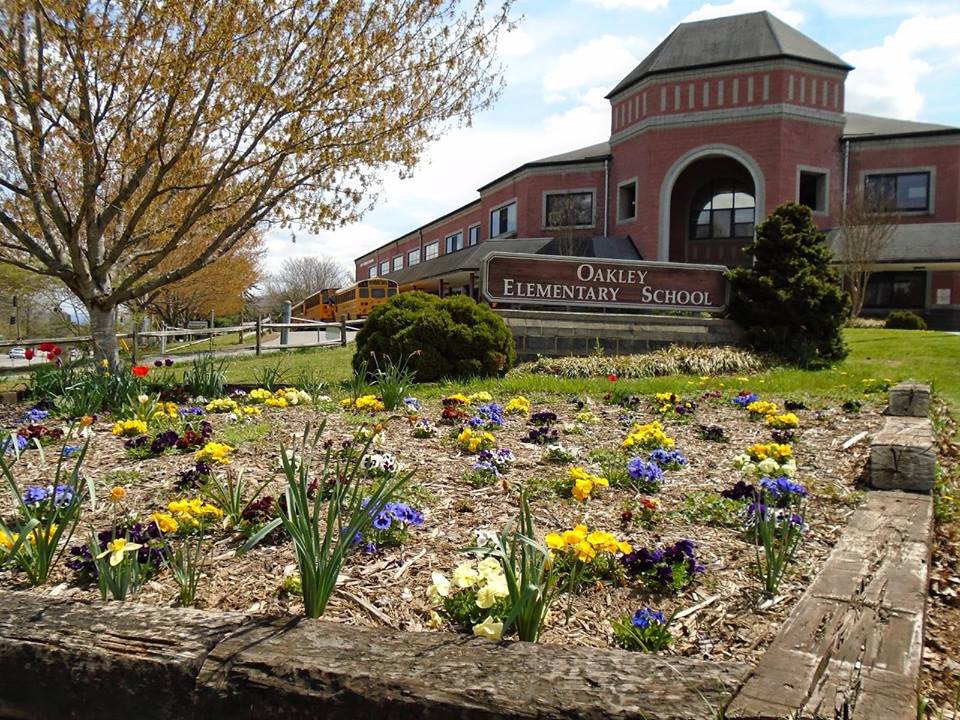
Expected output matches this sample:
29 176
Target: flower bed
666 502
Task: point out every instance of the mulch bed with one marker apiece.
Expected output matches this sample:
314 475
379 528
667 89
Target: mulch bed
723 618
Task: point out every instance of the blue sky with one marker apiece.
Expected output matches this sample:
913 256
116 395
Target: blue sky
566 55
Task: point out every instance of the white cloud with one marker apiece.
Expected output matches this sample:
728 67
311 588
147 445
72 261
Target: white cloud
886 78
781 8
604 60
885 8
648 5
516 43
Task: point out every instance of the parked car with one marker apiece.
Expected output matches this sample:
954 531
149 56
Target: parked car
17 353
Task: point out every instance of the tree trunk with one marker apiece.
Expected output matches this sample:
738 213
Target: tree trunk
103 328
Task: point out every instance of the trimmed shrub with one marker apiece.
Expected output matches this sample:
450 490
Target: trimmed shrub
904 320
451 337
790 301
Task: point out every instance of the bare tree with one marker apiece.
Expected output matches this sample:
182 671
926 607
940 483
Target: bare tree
134 130
299 277
867 226
568 214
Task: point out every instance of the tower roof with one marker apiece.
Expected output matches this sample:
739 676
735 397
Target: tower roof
729 40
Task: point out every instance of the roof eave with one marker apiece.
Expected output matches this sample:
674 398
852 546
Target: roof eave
540 164
898 136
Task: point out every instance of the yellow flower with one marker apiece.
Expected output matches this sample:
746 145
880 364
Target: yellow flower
481 397
761 408
489 629
8 540
577 535
222 405
554 541
259 395
489 568
584 482
214 452
435 622
116 549
649 436
165 522
518 405
456 399
117 494
486 597
278 402
129 428
465 575
585 552
783 422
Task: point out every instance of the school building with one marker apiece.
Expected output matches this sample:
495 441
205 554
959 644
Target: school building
723 121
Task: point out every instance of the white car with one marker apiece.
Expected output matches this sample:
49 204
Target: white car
17 353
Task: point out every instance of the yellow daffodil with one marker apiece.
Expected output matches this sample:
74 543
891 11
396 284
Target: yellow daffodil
116 549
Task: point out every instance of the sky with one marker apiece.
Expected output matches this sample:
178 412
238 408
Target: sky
565 55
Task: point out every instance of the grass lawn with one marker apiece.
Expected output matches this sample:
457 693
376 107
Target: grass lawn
932 357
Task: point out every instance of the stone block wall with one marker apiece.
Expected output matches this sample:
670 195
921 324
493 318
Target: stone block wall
553 334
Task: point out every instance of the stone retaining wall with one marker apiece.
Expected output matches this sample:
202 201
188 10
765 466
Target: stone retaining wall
571 333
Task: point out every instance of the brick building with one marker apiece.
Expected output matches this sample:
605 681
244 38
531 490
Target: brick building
723 121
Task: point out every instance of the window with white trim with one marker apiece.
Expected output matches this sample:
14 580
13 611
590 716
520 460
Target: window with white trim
431 251
473 235
454 242
398 263
384 267
413 257
627 201
372 272
503 220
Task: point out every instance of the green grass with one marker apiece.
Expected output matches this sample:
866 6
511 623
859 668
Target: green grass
874 353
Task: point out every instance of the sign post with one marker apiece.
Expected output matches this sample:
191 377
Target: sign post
526 279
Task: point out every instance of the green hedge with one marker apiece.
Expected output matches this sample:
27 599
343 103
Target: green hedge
451 337
904 320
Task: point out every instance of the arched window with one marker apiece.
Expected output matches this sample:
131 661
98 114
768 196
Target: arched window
723 209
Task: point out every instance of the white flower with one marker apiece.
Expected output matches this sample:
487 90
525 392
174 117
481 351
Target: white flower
439 589
143 399
498 586
489 629
486 597
768 467
789 468
487 538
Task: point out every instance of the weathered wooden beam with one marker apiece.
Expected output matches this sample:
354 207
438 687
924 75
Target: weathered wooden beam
851 647
308 668
64 659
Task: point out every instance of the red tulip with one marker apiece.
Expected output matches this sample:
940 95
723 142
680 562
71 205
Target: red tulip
611 377
51 356
140 370
56 350
28 353
46 347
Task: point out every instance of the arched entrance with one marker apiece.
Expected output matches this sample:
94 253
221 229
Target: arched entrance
710 201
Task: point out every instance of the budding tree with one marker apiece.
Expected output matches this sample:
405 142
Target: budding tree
867 226
135 129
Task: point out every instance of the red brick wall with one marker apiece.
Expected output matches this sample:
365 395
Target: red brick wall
945 280
630 109
881 155
777 146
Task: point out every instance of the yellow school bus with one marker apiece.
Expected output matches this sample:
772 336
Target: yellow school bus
319 306
360 298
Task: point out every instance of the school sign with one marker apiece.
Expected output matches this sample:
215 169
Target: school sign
546 280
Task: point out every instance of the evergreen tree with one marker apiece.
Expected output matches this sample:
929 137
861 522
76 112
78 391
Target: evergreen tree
790 301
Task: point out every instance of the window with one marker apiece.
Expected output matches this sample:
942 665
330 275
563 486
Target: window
627 201
896 290
384 267
473 235
373 271
413 257
398 263
431 251
898 192
503 220
812 190
573 209
378 292
723 209
454 242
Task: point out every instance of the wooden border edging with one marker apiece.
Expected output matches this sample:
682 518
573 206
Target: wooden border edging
66 659
851 647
